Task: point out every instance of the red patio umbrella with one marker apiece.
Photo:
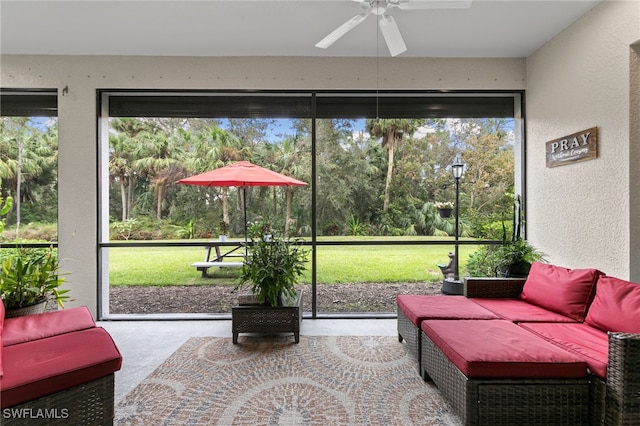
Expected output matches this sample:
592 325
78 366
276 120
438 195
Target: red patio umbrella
242 174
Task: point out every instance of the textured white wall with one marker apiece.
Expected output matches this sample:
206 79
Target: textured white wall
78 168
634 163
579 214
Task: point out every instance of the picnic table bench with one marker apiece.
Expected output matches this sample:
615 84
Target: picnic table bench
215 257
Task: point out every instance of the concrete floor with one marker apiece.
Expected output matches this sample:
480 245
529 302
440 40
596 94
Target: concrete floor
146 344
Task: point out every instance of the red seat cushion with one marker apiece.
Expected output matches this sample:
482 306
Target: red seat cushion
419 307
616 306
589 343
501 349
565 291
45 366
33 327
519 310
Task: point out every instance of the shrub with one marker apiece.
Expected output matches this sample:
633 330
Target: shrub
33 231
483 262
30 275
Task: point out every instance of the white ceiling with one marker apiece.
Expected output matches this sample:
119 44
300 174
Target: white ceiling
502 28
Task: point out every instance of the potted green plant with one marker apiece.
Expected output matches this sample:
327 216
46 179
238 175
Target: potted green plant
514 258
444 208
29 278
273 267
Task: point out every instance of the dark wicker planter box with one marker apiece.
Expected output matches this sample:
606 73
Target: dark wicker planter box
267 319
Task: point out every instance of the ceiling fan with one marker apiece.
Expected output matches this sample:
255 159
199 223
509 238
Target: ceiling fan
387 24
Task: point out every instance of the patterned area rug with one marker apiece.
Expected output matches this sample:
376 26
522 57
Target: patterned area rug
363 380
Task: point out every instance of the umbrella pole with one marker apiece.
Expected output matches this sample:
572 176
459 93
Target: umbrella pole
244 202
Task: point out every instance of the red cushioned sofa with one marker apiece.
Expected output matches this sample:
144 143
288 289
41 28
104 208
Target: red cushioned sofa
56 368
561 347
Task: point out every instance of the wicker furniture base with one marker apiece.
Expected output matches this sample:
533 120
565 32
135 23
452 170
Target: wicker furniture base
622 388
267 319
506 401
408 332
87 404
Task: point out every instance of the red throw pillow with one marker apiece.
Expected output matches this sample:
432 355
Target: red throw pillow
561 290
616 306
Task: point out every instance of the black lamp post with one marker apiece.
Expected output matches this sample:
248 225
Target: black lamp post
457 169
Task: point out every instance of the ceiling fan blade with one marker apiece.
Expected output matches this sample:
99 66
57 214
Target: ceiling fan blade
433 4
341 30
391 34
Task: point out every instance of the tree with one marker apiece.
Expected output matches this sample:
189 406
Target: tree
391 131
160 159
122 156
215 148
28 162
354 170
292 159
347 181
489 157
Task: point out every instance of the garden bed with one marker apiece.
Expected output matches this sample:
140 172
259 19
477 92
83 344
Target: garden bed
352 297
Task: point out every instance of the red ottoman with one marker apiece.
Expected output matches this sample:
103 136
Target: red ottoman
413 309
497 372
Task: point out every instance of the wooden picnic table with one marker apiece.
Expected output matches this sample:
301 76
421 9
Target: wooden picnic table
217 254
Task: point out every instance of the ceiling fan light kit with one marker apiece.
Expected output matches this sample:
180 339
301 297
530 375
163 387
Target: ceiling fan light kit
387 24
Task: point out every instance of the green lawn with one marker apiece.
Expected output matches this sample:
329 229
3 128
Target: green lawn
335 264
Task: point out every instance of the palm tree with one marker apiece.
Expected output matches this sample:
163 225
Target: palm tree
121 169
29 157
391 131
160 159
215 148
291 160
122 155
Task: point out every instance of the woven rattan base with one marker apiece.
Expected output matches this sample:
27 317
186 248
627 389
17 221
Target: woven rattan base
597 394
267 319
622 397
87 404
410 333
506 401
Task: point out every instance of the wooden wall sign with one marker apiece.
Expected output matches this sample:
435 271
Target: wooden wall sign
577 147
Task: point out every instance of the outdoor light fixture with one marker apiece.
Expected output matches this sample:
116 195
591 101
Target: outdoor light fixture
457 169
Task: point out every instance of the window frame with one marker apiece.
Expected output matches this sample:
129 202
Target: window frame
322 104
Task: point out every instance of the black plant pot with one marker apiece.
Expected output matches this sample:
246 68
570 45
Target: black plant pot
452 287
445 213
516 270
